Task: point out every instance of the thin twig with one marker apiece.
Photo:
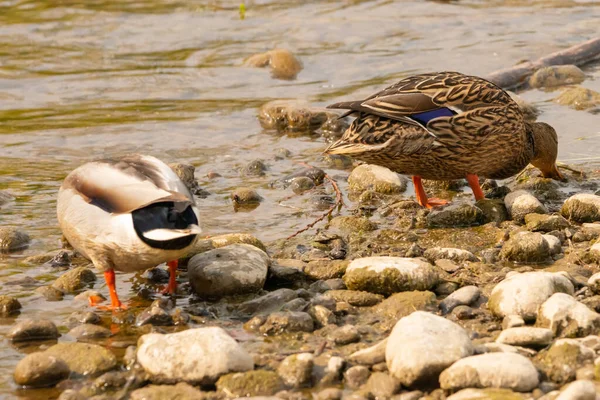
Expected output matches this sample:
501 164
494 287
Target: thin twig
339 203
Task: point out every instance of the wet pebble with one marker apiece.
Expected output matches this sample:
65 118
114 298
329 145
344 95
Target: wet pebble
301 184
82 317
9 306
283 63
376 178
287 321
562 360
322 316
254 168
296 370
526 336
352 224
158 314
462 313
382 385
85 295
250 384
455 215
493 210
523 294
520 203
89 331
582 207
526 247
422 345
268 303
466 296
567 317
156 275
337 161
371 355
545 223
354 297
446 288
39 369
492 370
578 98
344 335
235 269
180 391
30 329
387 275
245 197
198 355
74 280
13 239
356 376
84 358
556 75
50 293
447 253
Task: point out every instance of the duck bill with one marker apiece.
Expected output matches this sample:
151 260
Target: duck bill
553 173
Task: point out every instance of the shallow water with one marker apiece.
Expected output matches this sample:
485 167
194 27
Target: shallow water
85 79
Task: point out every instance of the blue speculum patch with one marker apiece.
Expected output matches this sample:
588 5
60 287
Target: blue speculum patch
427 116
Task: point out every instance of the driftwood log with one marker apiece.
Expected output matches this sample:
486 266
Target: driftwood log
513 77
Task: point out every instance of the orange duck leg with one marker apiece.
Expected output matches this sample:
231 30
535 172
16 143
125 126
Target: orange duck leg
115 303
422 196
474 184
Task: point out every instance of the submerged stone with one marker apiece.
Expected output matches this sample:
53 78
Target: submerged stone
13 239
39 369
31 330
83 358
74 280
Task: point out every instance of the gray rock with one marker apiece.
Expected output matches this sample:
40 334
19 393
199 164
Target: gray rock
522 294
180 391
235 269
582 207
30 329
455 215
447 265
520 203
493 210
287 321
376 178
199 356
40 370
345 335
356 298
301 184
82 317
13 239
75 280
268 303
387 275
512 321
466 296
322 315
296 370
562 360
492 370
371 355
356 376
556 75
254 168
526 336
89 331
457 255
382 385
545 223
422 345
567 317
463 312
50 293
554 244
578 390
526 247
160 313
84 358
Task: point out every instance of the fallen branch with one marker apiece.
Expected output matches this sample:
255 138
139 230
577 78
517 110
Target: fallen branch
512 77
339 202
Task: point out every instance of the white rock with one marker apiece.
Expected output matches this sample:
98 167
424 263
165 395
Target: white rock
449 253
492 370
512 321
464 296
526 336
494 347
595 251
553 244
387 275
520 203
578 390
376 178
565 316
198 356
234 269
582 207
422 345
591 342
371 355
522 294
594 281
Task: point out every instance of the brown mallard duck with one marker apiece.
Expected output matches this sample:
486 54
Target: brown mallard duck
444 126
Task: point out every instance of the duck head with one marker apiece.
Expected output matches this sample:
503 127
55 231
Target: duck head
545 150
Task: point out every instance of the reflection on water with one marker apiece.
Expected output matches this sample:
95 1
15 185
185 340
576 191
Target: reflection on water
85 79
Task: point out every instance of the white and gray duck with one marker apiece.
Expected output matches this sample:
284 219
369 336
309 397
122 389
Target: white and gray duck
128 214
